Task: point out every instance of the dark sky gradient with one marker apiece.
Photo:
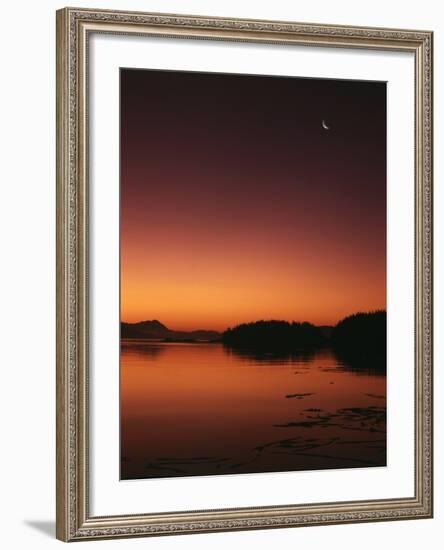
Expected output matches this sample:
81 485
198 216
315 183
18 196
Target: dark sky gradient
237 205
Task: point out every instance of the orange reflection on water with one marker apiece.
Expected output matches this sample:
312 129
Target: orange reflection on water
199 409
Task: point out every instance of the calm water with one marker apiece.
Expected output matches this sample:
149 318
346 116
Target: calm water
200 409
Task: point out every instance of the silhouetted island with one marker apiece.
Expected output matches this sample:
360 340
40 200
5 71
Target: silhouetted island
155 330
361 339
275 335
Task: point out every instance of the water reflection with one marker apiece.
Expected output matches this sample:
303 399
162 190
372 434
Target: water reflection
255 355
202 409
366 364
141 348
370 364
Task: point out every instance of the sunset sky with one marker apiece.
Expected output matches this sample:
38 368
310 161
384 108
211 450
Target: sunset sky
237 205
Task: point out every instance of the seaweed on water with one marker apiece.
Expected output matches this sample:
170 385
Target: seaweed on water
298 395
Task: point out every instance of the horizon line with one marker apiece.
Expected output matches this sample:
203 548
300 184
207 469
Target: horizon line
255 321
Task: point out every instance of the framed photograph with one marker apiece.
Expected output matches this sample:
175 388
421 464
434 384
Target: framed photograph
244 274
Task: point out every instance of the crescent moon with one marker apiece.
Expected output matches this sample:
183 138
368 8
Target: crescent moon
325 125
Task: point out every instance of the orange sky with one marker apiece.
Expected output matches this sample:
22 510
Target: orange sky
251 210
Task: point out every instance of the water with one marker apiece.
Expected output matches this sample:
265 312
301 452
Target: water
201 409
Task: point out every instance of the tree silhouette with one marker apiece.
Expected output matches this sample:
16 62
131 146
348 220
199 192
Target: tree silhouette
274 335
361 339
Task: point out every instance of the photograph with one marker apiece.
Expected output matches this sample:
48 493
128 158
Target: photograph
219 225
253 273
244 273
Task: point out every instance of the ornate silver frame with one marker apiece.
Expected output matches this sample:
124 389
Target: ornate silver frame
74 521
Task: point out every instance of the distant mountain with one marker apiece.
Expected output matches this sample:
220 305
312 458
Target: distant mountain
156 330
